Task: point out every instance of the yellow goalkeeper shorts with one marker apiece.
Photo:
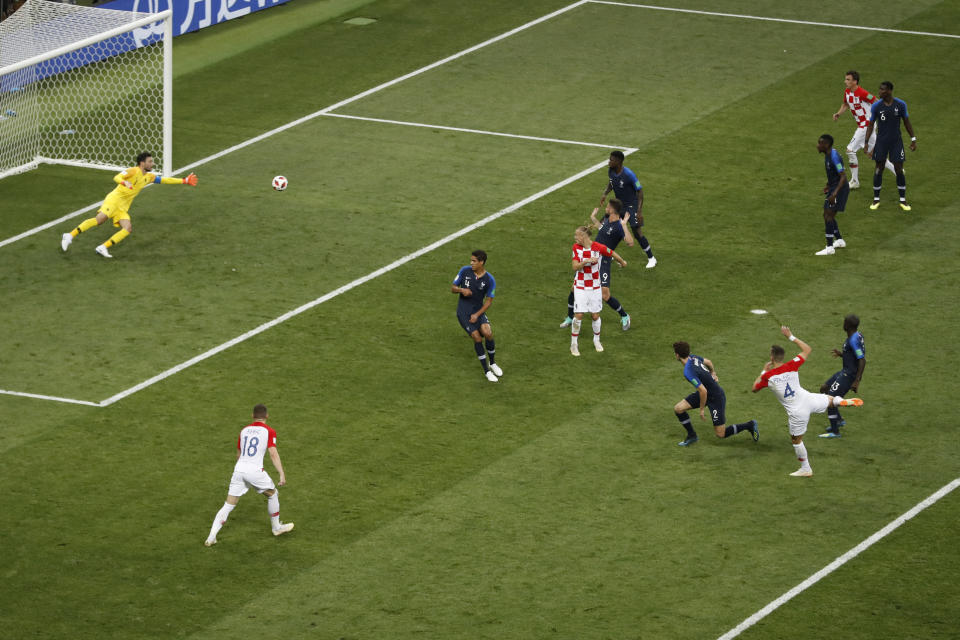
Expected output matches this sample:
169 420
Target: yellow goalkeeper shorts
113 210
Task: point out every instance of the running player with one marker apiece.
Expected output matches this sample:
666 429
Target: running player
837 191
116 205
848 378
610 232
886 114
255 439
701 373
587 297
784 381
625 185
476 288
858 100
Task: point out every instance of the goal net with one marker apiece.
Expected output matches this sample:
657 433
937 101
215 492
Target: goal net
84 86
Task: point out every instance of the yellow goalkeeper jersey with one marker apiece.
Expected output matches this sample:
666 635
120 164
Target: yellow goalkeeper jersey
123 195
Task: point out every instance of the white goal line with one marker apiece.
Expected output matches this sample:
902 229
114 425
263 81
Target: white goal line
769 19
842 560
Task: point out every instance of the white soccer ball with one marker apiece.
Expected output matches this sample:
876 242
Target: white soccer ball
279 183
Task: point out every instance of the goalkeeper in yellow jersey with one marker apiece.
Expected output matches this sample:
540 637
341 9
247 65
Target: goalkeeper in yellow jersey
117 203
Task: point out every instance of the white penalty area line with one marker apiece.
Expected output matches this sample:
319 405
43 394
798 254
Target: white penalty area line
769 19
352 285
480 131
39 396
839 562
321 112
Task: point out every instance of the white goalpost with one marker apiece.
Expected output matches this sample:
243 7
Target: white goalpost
84 86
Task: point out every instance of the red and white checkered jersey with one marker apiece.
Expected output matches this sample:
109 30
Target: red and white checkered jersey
859 101
253 442
588 276
784 381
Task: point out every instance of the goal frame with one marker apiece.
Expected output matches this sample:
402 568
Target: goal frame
166 17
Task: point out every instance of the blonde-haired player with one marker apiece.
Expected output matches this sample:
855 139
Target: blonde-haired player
784 380
587 296
116 205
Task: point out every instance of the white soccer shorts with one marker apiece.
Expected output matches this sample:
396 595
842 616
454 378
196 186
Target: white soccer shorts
587 300
856 142
241 482
798 418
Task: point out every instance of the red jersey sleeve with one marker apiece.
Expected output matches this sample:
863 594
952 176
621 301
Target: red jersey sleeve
238 442
271 438
763 381
602 248
863 94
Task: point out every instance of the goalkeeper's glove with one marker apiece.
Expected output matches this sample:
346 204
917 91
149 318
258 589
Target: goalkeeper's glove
191 180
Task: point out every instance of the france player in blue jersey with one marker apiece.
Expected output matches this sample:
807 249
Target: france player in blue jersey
701 373
848 378
837 191
625 185
475 286
610 232
886 113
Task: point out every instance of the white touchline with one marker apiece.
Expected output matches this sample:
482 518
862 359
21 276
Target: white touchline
353 284
769 19
839 562
321 112
480 131
39 396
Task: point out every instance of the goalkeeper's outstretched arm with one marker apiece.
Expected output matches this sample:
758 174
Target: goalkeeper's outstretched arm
190 180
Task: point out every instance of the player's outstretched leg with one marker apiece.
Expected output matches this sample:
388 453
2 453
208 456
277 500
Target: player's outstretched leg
733 429
614 304
847 402
67 238
218 521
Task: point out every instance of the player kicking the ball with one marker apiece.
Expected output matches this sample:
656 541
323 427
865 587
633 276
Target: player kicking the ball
784 380
116 205
587 296
255 439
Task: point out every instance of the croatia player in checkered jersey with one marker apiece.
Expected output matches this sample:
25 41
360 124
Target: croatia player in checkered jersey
587 297
255 439
858 101
784 380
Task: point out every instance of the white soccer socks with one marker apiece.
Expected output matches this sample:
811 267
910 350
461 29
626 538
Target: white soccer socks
273 507
801 451
219 521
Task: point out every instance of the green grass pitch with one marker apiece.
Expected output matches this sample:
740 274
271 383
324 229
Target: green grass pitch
430 503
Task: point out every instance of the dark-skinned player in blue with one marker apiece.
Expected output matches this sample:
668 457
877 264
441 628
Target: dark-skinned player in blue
886 113
476 289
837 191
625 185
701 373
610 231
848 378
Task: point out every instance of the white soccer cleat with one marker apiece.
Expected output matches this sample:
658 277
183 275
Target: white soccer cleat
854 184
209 543
839 244
574 349
497 371
598 346
802 473
102 250
491 376
826 251
282 529
651 263
65 241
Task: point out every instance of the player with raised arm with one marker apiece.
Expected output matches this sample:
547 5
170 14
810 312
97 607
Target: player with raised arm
610 232
255 439
848 378
476 288
784 380
858 101
587 297
116 205
886 114
837 191
625 185
701 373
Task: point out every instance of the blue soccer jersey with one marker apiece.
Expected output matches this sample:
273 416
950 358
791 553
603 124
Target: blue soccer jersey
698 374
482 287
887 118
853 350
834 166
625 186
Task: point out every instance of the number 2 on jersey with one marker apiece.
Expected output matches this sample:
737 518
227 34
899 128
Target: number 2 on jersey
788 392
250 449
